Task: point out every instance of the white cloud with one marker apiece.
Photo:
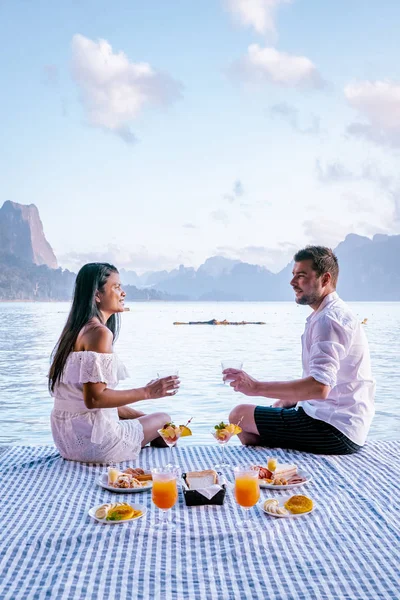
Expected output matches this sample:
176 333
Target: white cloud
138 259
291 115
259 14
325 232
280 68
114 90
220 215
379 103
273 259
237 192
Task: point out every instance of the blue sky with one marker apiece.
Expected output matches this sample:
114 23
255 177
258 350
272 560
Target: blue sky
163 132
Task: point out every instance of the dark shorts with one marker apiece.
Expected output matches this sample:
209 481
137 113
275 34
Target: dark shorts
291 428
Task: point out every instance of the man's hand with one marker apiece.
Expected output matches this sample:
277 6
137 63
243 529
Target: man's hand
241 382
284 404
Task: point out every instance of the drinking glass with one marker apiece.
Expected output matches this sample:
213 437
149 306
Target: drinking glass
171 443
164 492
247 490
231 364
161 373
222 437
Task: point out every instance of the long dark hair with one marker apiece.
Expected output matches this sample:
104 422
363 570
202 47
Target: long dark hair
90 280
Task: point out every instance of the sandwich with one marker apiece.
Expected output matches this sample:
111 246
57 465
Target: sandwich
197 480
284 471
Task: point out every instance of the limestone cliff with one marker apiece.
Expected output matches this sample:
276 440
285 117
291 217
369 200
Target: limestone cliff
21 234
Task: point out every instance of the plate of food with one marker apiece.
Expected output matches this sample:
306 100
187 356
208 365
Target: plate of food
293 507
126 482
284 476
119 512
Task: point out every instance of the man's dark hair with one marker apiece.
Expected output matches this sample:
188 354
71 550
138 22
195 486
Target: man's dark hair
323 261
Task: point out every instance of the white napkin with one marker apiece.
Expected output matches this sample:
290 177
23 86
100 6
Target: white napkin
209 492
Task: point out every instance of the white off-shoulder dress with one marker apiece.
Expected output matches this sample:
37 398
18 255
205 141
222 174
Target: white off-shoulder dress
92 435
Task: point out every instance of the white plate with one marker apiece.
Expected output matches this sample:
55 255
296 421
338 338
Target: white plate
92 513
270 486
103 481
288 515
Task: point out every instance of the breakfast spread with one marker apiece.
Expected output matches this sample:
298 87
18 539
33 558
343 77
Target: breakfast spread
120 511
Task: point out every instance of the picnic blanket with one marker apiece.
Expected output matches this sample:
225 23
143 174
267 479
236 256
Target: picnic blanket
348 547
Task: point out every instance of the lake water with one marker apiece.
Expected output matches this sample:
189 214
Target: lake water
149 342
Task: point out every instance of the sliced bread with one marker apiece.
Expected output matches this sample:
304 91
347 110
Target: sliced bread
197 480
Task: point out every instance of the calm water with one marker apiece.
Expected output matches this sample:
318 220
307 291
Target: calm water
149 342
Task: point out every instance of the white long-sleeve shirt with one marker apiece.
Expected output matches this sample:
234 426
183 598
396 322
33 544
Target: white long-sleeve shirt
335 353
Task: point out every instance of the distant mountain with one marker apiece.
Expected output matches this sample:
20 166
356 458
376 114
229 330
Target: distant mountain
21 235
28 266
369 270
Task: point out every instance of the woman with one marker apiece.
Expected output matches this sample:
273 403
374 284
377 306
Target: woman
91 421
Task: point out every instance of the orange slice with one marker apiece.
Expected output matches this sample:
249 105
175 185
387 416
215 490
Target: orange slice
299 504
185 431
120 513
234 429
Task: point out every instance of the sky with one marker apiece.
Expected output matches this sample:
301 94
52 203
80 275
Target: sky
158 133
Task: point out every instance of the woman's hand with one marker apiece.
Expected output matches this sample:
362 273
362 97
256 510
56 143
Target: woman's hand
159 388
241 382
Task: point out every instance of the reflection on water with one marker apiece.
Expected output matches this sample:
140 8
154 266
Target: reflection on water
149 342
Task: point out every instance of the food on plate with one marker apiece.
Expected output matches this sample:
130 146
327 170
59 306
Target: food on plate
284 474
125 481
138 474
272 506
272 464
299 504
120 511
197 480
224 431
102 511
129 479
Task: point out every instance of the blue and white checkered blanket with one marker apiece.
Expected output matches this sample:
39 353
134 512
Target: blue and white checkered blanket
348 547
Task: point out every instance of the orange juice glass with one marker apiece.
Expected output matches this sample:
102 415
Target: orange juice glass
247 489
165 490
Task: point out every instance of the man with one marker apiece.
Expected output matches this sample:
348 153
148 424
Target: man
329 410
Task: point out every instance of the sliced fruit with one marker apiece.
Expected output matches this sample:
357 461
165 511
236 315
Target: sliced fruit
120 513
221 425
299 504
234 429
185 431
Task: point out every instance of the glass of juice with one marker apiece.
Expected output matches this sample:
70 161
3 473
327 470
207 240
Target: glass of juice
247 490
164 492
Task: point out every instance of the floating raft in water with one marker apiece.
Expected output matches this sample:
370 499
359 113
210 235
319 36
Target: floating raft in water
224 322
